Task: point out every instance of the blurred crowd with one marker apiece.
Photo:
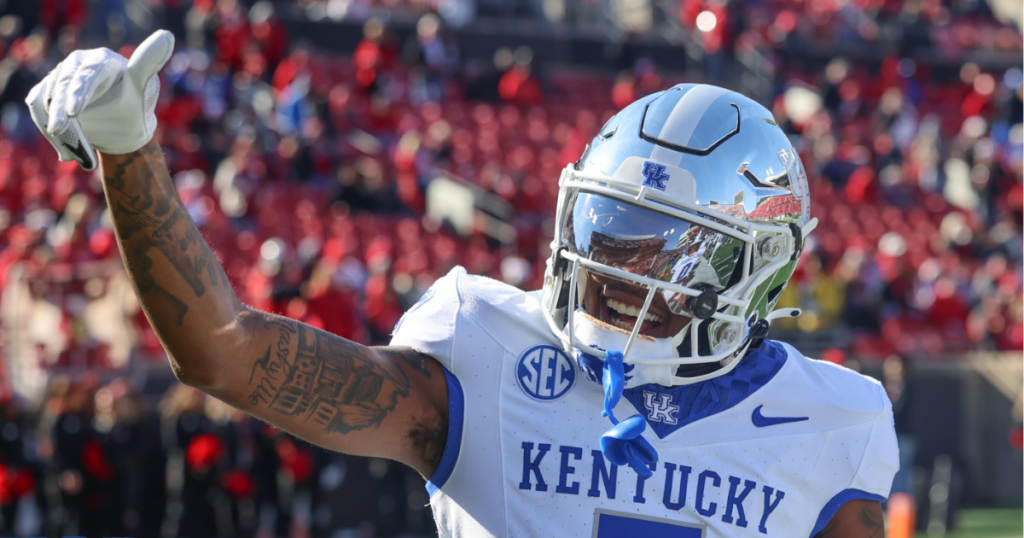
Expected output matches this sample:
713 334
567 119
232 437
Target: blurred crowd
919 192
309 174
927 27
98 460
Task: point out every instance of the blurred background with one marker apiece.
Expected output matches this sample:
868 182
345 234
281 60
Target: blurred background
341 155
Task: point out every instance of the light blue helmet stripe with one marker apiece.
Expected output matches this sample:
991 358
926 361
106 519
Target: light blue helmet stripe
665 155
717 121
687 112
692 120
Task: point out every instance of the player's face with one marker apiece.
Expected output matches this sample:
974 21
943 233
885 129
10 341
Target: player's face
612 301
653 246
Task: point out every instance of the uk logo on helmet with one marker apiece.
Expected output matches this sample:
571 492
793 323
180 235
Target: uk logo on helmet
654 175
545 373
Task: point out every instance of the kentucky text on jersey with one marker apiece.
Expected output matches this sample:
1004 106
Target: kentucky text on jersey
703 491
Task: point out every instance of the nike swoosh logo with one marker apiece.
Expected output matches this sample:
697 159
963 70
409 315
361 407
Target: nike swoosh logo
761 421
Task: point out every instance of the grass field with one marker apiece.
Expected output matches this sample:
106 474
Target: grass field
987 523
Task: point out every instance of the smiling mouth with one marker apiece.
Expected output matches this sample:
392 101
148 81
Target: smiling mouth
624 316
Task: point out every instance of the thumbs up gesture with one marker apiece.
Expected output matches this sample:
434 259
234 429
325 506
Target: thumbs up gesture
98 99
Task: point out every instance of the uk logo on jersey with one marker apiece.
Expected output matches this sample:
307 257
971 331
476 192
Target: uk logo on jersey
659 407
545 373
655 175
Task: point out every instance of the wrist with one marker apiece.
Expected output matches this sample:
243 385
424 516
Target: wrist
150 149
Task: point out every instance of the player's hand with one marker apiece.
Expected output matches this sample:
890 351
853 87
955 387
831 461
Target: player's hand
98 99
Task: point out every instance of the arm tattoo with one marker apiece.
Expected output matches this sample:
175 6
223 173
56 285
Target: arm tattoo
316 376
147 215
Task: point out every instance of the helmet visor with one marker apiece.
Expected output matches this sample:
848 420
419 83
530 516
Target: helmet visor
652 245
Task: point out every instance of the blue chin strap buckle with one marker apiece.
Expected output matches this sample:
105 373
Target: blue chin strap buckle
624 444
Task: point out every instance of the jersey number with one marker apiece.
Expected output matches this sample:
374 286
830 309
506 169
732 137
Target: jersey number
621 525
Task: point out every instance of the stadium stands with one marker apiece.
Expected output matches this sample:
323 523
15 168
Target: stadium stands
307 173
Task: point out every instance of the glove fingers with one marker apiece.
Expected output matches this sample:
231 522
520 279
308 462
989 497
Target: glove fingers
89 79
58 89
150 57
36 102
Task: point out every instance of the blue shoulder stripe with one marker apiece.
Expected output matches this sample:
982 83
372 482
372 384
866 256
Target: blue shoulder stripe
456 412
835 503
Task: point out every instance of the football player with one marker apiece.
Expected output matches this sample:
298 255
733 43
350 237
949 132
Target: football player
630 397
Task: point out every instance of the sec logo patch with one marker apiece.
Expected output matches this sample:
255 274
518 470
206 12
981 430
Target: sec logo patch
545 373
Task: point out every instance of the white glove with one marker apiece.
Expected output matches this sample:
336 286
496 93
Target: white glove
97 99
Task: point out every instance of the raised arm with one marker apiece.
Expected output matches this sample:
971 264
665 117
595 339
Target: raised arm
382 402
318 386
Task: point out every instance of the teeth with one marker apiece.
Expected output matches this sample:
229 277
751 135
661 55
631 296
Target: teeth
624 326
633 311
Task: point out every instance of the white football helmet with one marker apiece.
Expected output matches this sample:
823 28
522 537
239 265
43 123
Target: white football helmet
688 211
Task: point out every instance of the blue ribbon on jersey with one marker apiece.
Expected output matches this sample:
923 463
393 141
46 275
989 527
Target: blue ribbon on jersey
624 444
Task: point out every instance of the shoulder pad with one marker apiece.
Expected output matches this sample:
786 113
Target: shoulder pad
429 326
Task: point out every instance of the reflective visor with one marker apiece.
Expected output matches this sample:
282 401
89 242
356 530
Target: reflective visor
653 245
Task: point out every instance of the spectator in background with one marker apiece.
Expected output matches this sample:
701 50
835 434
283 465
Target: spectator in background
268 33
192 452
432 61
374 57
518 85
117 456
247 475
19 468
291 84
56 14
894 378
22 68
624 89
232 34
333 305
78 466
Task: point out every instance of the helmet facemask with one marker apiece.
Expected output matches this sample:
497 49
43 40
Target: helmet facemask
692 274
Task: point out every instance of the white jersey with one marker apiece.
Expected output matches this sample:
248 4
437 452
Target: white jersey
772 448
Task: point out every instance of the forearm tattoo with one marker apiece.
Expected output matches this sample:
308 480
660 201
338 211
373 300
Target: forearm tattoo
316 376
148 215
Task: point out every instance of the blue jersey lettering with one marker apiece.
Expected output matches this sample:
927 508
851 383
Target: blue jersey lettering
684 475
601 471
701 482
565 470
533 465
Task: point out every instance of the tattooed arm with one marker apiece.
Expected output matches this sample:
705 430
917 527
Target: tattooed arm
382 402
856 519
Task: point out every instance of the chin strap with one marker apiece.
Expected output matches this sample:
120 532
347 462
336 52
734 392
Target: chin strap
623 444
